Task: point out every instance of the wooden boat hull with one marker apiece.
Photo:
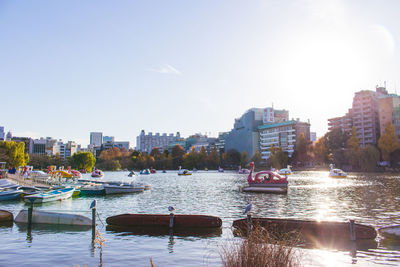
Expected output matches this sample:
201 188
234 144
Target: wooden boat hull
390 232
6 216
44 217
111 189
163 220
310 229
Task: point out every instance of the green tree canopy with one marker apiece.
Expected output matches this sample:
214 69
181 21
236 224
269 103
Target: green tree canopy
388 142
83 160
257 158
213 160
244 159
369 156
353 149
277 159
13 153
335 139
177 156
232 158
320 151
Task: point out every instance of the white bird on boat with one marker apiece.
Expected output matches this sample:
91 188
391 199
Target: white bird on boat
93 205
248 208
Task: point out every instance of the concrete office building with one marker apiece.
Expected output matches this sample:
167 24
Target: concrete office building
2 134
96 139
283 134
244 135
145 143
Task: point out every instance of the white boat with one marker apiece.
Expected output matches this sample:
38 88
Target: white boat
390 232
38 175
7 184
52 195
10 193
336 173
285 171
122 189
53 218
184 171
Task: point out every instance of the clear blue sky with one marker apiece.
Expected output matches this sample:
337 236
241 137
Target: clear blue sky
71 67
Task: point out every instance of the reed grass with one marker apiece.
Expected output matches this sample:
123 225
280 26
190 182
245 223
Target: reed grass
261 248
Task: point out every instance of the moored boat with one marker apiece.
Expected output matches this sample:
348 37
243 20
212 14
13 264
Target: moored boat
243 171
45 217
390 232
6 216
92 189
52 195
163 220
310 229
7 184
265 181
122 189
145 171
10 194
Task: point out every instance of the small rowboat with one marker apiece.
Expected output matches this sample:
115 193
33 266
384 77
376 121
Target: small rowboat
122 189
390 232
46 217
310 229
6 216
163 220
53 195
10 194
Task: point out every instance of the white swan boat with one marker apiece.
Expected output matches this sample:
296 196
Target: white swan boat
285 171
336 173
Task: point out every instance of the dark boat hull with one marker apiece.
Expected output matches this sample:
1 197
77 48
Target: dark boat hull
163 220
310 229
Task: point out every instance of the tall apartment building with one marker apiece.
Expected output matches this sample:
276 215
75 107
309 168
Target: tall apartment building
364 116
2 133
108 139
389 112
96 139
65 150
145 143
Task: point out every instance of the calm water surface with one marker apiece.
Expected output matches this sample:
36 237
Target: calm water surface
368 198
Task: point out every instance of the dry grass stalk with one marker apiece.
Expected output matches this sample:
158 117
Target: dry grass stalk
261 248
151 262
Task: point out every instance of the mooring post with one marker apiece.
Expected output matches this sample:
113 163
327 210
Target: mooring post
30 211
171 220
352 230
93 222
249 224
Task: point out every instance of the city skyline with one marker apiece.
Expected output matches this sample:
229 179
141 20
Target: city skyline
187 67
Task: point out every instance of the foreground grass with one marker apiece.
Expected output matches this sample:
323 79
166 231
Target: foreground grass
261 248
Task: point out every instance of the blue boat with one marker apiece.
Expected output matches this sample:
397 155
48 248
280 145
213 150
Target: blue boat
53 195
10 194
145 171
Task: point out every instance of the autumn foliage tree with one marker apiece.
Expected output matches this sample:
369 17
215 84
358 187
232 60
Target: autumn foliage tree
388 142
353 149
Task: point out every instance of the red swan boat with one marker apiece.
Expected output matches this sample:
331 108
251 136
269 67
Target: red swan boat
265 181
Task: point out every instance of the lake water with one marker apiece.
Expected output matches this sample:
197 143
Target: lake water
372 199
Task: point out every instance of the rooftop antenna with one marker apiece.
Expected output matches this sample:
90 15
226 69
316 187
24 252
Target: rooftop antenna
384 84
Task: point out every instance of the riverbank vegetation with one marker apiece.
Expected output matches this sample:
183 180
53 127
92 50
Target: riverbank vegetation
261 248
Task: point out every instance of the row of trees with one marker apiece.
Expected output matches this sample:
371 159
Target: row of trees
335 147
343 150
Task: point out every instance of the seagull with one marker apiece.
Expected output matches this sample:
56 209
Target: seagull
171 209
248 208
93 205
